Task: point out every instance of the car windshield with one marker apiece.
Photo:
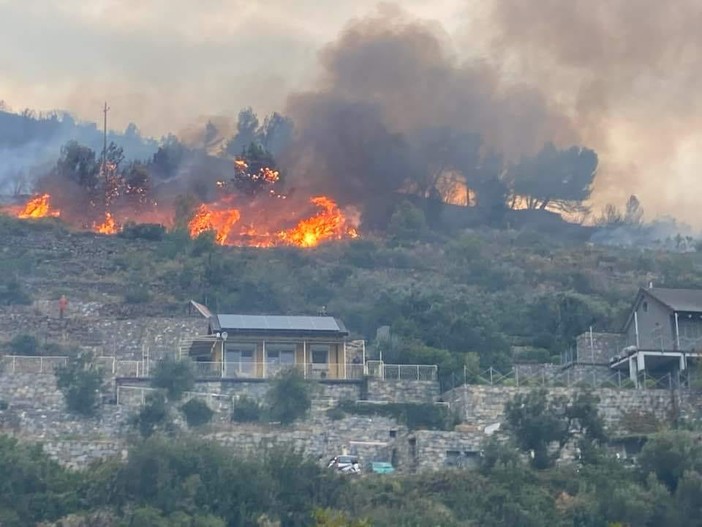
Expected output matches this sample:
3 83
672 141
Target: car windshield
347 459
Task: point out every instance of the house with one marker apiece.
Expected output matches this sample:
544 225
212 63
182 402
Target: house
662 332
259 346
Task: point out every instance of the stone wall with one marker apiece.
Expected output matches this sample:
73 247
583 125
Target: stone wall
78 454
398 391
625 411
599 349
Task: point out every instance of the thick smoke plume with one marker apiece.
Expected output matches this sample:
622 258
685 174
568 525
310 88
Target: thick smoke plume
630 74
393 99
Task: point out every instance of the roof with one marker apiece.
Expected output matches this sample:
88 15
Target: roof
689 300
677 300
272 324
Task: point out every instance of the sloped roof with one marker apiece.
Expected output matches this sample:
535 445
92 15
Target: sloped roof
279 324
678 299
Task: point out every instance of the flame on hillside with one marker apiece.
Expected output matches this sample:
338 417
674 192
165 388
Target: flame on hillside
267 223
328 224
39 207
108 226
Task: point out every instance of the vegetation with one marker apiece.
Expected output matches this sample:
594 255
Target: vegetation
196 413
247 410
181 481
289 397
416 416
80 381
174 376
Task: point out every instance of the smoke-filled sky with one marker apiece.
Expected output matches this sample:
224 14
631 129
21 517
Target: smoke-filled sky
620 76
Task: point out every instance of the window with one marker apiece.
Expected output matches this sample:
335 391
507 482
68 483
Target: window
645 307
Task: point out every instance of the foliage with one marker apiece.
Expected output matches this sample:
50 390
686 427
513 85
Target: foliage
289 397
542 426
407 223
144 231
12 292
669 455
154 416
246 410
24 344
80 381
196 413
553 176
174 376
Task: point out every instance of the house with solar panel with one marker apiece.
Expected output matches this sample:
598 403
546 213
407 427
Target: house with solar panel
260 346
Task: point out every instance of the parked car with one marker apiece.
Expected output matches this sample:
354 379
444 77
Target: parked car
345 464
381 467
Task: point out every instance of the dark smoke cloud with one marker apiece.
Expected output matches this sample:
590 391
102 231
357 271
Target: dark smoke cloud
387 78
630 74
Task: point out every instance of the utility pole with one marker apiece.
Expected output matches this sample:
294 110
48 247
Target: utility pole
105 109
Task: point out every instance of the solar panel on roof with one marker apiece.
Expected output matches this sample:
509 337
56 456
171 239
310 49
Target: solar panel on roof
279 323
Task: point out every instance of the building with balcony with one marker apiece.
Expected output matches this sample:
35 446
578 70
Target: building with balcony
259 346
662 333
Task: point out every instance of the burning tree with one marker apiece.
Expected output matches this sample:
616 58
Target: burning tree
254 170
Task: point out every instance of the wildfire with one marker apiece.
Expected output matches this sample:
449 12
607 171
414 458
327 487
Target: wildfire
108 226
328 224
264 226
219 221
38 207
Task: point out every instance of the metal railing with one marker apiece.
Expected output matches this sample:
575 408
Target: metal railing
403 372
48 364
569 378
137 395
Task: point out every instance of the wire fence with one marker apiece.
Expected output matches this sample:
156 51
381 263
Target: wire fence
47 365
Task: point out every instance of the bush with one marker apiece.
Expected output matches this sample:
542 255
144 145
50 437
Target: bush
12 293
196 413
153 416
174 376
137 294
289 397
4 405
80 381
246 410
24 344
145 231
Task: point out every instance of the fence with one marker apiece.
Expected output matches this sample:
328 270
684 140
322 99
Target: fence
47 365
567 378
137 395
403 372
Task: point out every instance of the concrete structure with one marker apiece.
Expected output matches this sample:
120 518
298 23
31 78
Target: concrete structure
662 333
253 346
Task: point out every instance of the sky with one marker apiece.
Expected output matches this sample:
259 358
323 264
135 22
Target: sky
626 75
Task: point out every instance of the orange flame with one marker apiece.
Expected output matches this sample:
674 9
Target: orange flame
108 226
219 221
328 224
38 207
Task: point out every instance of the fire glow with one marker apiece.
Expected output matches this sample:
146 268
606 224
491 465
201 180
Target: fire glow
263 228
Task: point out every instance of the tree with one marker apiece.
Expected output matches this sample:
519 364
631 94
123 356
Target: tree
196 413
668 455
174 376
407 223
543 425
154 416
560 178
77 163
247 132
80 380
255 170
634 211
289 396
276 133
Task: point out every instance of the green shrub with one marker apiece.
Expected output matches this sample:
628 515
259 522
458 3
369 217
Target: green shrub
12 293
137 294
196 413
80 381
144 231
153 416
289 397
247 410
335 413
24 344
174 376
4 405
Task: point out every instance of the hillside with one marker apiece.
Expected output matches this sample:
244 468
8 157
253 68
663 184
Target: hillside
443 296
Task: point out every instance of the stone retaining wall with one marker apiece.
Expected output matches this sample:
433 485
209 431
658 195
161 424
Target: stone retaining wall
399 391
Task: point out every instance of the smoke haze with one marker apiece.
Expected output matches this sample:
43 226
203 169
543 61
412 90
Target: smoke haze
618 76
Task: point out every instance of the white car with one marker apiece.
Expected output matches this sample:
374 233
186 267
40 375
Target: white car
345 464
